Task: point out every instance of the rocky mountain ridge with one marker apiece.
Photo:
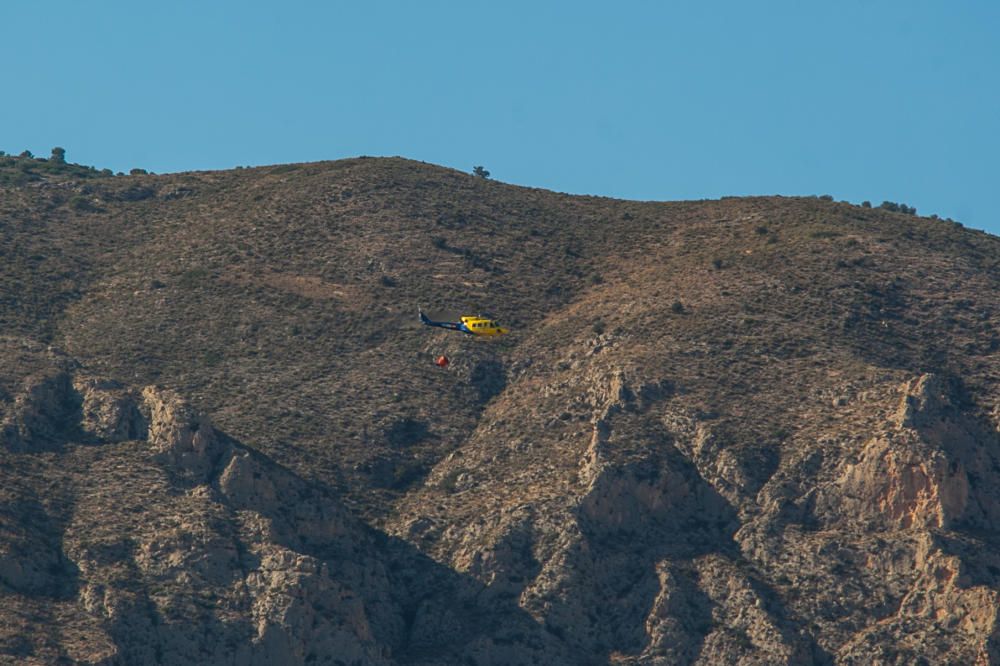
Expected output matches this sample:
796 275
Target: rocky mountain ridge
740 431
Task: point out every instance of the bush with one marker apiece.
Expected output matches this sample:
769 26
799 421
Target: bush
677 307
193 278
16 178
480 172
26 154
58 155
866 204
894 207
138 172
81 204
211 357
826 197
449 481
825 233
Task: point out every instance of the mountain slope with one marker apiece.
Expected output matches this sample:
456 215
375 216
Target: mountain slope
750 430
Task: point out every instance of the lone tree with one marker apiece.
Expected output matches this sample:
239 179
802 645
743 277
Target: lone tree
481 172
58 155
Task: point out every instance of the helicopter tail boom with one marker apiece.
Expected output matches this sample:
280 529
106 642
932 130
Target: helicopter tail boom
450 325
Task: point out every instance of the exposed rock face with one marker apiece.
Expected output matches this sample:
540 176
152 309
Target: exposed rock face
715 592
299 610
915 471
275 566
110 412
638 556
584 563
905 483
42 413
31 559
182 438
55 406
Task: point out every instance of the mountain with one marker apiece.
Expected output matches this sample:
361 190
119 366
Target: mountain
752 430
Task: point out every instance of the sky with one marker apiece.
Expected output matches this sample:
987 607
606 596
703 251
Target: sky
863 100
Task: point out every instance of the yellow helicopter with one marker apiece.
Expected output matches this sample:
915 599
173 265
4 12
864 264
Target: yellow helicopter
471 325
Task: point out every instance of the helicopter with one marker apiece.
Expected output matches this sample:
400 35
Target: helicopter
480 326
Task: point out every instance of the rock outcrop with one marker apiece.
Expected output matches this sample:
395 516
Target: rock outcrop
43 413
182 438
186 524
58 405
109 411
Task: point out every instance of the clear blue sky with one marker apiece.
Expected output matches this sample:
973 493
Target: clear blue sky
643 100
